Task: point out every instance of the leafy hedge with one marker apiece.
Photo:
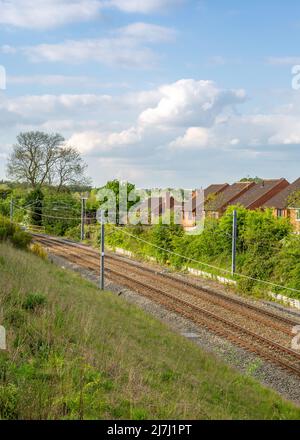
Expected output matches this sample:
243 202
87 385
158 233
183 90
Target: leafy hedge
266 248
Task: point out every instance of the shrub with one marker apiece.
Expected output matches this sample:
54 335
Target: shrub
21 239
74 233
287 270
7 228
38 250
12 232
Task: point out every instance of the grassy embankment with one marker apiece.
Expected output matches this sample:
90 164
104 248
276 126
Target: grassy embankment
74 352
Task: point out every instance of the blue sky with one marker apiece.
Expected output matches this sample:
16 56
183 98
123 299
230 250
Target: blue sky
177 93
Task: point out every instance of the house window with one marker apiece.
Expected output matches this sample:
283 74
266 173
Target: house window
280 213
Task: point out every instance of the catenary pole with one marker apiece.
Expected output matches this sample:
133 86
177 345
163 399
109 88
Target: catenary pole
234 240
102 252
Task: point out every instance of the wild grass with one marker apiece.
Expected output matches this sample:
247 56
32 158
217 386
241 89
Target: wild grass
75 352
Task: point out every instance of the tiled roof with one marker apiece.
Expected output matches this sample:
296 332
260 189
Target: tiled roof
280 201
228 195
215 188
260 192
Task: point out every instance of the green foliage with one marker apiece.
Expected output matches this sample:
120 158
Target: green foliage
134 368
251 179
61 212
262 237
164 237
12 232
5 191
118 188
33 301
7 229
35 202
266 249
8 402
21 239
287 269
294 199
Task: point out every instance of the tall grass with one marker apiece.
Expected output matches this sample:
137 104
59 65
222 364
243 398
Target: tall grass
77 353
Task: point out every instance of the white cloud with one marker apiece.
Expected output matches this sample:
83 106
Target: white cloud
6 49
255 132
88 141
190 102
177 106
48 80
32 106
45 14
143 6
148 33
194 138
159 130
110 51
63 80
128 47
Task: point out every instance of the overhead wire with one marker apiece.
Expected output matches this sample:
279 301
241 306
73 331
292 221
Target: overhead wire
206 264
173 253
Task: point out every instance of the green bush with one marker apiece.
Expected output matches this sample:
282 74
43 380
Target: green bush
287 269
21 239
10 231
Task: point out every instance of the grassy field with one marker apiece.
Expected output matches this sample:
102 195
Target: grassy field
77 353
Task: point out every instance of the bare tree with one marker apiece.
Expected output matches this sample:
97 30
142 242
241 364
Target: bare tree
40 158
70 168
33 157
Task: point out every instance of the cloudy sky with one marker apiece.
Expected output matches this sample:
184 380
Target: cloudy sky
178 93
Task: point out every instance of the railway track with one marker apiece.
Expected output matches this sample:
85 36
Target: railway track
265 333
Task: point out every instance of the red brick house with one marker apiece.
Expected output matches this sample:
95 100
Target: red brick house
216 205
189 217
281 206
259 193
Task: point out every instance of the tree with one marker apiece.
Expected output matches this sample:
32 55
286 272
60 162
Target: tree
251 179
294 200
39 158
33 157
70 168
35 200
5 190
